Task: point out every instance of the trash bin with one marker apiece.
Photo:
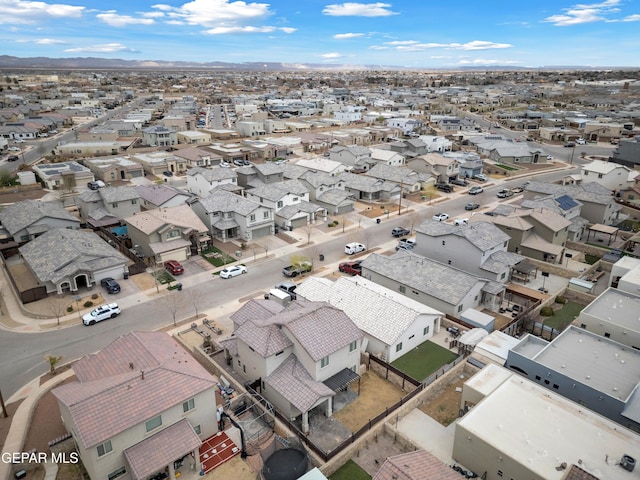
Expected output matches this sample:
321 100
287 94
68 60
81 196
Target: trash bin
377 220
179 287
126 275
321 257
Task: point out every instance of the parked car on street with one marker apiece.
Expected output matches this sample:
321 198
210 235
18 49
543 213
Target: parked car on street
19 140
174 267
444 187
354 268
233 271
288 287
110 285
298 269
475 190
517 190
14 149
354 247
471 206
504 193
440 217
12 158
103 312
400 232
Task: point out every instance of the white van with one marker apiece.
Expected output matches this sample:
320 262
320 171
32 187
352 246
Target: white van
354 247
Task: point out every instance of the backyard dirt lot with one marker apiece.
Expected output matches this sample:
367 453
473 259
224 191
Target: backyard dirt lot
444 404
375 395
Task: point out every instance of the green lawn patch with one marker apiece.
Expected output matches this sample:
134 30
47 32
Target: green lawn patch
423 360
164 277
217 257
591 259
563 317
509 168
350 471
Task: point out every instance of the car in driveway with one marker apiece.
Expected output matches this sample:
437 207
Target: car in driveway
504 193
174 267
460 181
471 206
480 177
354 247
14 149
110 285
475 190
444 187
103 312
12 158
458 222
400 232
19 140
406 244
233 271
440 217
517 190
238 163
354 268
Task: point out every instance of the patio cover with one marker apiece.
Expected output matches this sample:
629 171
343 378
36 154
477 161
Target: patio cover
342 379
606 229
154 453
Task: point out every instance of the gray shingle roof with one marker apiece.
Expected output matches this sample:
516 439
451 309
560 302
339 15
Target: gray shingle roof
20 215
335 196
223 201
482 235
61 253
118 194
435 279
591 192
213 174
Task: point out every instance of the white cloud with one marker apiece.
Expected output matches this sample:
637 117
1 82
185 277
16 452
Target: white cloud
152 14
331 55
288 29
484 61
582 13
413 46
102 48
213 13
378 47
352 9
49 41
27 12
632 18
247 29
115 20
344 36
480 45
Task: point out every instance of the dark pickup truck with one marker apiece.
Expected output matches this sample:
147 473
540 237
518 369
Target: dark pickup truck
295 270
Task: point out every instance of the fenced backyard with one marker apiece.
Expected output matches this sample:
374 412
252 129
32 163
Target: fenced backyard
424 360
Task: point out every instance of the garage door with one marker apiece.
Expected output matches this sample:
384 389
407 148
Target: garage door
261 232
299 222
345 209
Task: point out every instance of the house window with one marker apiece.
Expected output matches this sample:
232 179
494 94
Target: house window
117 473
599 175
402 289
444 242
295 199
538 377
425 331
104 448
197 429
134 201
244 368
607 335
188 405
280 204
252 218
555 385
459 308
114 205
265 215
502 276
500 473
411 337
353 345
324 362
154 423
399 347
173 234
113 176
280 353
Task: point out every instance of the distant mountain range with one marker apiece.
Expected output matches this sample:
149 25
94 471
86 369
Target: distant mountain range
85 63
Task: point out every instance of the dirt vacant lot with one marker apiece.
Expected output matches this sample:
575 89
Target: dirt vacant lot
375 395
444 405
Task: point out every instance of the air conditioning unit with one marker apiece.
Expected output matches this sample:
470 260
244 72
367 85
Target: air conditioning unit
628 463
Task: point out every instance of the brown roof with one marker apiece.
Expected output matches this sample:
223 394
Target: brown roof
418 465
576 473
136 377
162 448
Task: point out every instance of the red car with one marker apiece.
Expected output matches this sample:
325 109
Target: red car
354 268
174 267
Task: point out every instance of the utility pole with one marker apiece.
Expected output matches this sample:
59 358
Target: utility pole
400 197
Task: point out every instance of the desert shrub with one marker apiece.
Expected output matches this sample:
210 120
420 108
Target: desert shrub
546 311
87 304
69 309
560 299
95 296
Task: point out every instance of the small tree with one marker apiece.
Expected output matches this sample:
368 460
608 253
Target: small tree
194 298
173 301
299 260
308 229
53 362
56 308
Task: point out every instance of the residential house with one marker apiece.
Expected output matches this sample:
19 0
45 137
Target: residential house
479 248
596 372
443 168
66 260
107 206
63 175
440 286
159 136
536 233
406 125
369 189
161 196
111 169
91 149
416 465
198 157
23 221
232 151
409 148
354 156
295 354
191 137
612 176
515 411
322 164
170 233
201 181
436 144
598 204
565 206
614 313
328 192
229 216
409 180
408 322
259 174
386 157
155 163
170 402
627 152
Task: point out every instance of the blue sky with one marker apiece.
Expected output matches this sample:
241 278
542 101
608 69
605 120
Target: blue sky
408 33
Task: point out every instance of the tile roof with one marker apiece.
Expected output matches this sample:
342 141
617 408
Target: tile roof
367 303
162 448
435 279
266 340
213 174
295 384
158 194
181 216
20 215
256 309
417 465
110 396
61 253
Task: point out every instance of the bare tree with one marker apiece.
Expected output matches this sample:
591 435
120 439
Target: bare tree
53 362
156 273
308 229
173 301
266 245
415 218
313 254
56 307
195 298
